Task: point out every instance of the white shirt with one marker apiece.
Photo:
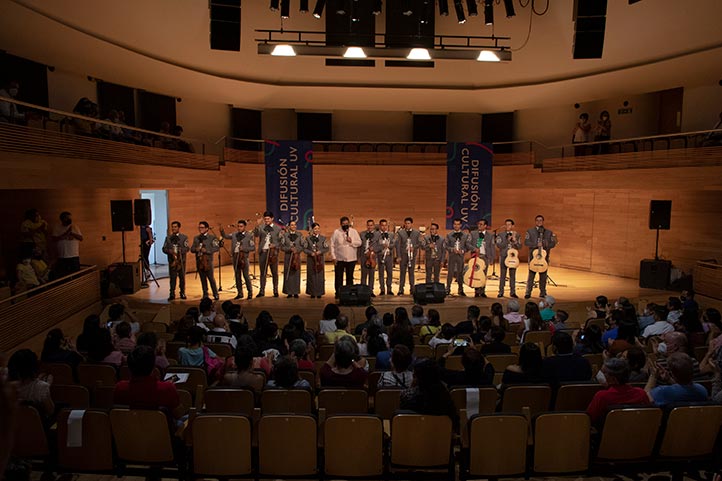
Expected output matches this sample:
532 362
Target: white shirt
341 249
67 248
657 329
326 325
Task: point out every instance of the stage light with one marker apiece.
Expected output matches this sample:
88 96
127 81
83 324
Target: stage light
274 5
489 12
285 8
407 9
459 11
354 11
303 6
471 8
283 51
509 7
354 52
378 4
418 54
488 56
318 9
444 8
341 8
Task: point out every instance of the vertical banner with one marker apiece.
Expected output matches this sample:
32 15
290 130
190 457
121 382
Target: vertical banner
468 183
289 181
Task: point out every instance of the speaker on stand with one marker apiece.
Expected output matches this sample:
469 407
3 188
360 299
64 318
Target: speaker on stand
655 273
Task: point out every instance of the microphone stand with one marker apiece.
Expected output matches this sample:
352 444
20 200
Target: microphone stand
493 262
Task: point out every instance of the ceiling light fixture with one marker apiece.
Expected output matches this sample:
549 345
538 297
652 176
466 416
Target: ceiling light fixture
303 6
407 9
509 7
488 56
354 52
283 50
444 8
418 54
342 8
489 12
459 11
285 8
355 17
318 9
378 4
471 8
274 5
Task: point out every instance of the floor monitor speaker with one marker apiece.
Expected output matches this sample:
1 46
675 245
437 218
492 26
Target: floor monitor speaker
356 295
429 293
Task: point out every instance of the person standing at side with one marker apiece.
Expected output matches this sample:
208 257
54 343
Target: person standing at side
509 239
291 244
385 255
482 242
241 247
539 237
176 247
407 249
457 243
433 244
367 255
204 246
315 246
344 244
67 237
268 235
147 239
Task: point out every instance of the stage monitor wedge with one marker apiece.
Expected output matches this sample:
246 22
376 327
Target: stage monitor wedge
121 215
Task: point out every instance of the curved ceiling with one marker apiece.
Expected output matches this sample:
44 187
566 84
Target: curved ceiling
163 46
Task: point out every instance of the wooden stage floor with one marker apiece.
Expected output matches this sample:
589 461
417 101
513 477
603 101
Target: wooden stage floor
575 290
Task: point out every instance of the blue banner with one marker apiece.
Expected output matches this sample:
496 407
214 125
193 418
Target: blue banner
289 181
468 183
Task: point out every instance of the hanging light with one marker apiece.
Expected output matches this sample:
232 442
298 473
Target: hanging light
487 56
354 52
303 6
274 5
418 54
342 9
283 50
378 4
459 11
471 8
489 12
444 8
509 7
285 8
407 9
355 17
318 9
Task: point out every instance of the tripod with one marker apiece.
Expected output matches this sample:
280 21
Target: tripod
146 273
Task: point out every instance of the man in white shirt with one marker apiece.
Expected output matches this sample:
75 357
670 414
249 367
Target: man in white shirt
345 242
67 237
660 325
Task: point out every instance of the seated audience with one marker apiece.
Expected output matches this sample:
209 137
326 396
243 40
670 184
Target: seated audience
341 330
673 342
713 320
626 338
27 279
614 375
373 341
399 375
637 359
533 320
23 369
244 376
469 325
342 369
427 331
477 372
372 317
443 336
285 375
58 348
675 310
195 352
300 325
512 312
220 333
91 327
496 344
558 322
646 318
103 350
399 336
565 365
150 339
497 316
660 325
402 324
124 340
679 375
208 311
183 326
589 341
267 339
546 307
428 394
417 316
298 349
529 368
119 312
145 391
328 323
600 308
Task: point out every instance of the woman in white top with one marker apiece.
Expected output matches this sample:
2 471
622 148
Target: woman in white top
444 336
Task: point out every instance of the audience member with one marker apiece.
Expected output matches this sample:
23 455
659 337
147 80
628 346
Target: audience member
615 318
91 327
27 279
428 331
428 394
589 341
151 340
298 349
341 330
371 318
399 336
328 323
603 132
443 336
559 321
614 374
342 370
285 375
477 372
124 340
546 307
512 312
647 317
712 318
220 332
679 375
529 368
300 325
600 308
9 111
660 325
195 354
469 325
417 315
626 338
58 348
373 341
183 326
565 365
23 369
244 375
581 133
674 306
399 375
496 344
532 319
497 316
103 350
33 231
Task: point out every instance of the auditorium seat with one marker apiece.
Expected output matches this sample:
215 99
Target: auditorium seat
223 351
497 446
101 397
141 437
196 377
517 397
171 349
545 337
30 441
95 454
296 401
629 435
222 446
453 363
421 443
361 460
488 397
229 401
157 327
561 443
62 373
423 350
690 433
72 397
91 375
387 401
502 361
575 397
287 446
325 351
343 401
309 376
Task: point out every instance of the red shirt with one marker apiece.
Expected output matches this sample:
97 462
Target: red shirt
305 365
146 393
614 395
355 379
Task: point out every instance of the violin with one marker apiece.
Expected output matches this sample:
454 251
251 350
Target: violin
371 261
202 263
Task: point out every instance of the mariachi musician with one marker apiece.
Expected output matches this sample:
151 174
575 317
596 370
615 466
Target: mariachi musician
292 244
483 245
508 239
204 246
433 245
457 244
176 247
539 237
385 256
241 247
408 241
315 246
269 238
367 255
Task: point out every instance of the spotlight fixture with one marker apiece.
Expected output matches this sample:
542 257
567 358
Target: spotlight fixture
318 9
303 6
407 9
285 8
489 12
274 5
341 9
418 54
509 7
283 51
488 56
354 11
354 52
378 4
459 11
471 8
427 12
444 8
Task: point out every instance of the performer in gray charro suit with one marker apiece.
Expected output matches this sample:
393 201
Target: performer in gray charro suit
385 254
241 247
508 239
433 245
368 245
269 240
176 247
408 241
204 246
457 244
482 242
539 236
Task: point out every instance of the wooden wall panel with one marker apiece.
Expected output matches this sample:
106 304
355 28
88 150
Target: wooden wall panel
601 219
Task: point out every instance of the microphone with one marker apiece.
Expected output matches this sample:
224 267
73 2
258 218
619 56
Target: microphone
230 225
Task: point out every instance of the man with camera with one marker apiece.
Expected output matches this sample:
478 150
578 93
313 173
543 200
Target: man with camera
345 242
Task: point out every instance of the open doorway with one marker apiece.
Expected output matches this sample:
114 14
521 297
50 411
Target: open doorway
159 223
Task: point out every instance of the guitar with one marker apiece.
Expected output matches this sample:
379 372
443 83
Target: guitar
474 272
538 261
512 258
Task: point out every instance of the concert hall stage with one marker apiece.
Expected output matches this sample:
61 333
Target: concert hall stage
575 290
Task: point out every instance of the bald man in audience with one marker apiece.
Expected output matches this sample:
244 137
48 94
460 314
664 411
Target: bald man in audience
673 342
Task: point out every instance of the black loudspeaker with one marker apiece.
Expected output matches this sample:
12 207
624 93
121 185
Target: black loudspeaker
660 214
125 277
654 274
121 215
590 21
429 293
356 295
141 211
